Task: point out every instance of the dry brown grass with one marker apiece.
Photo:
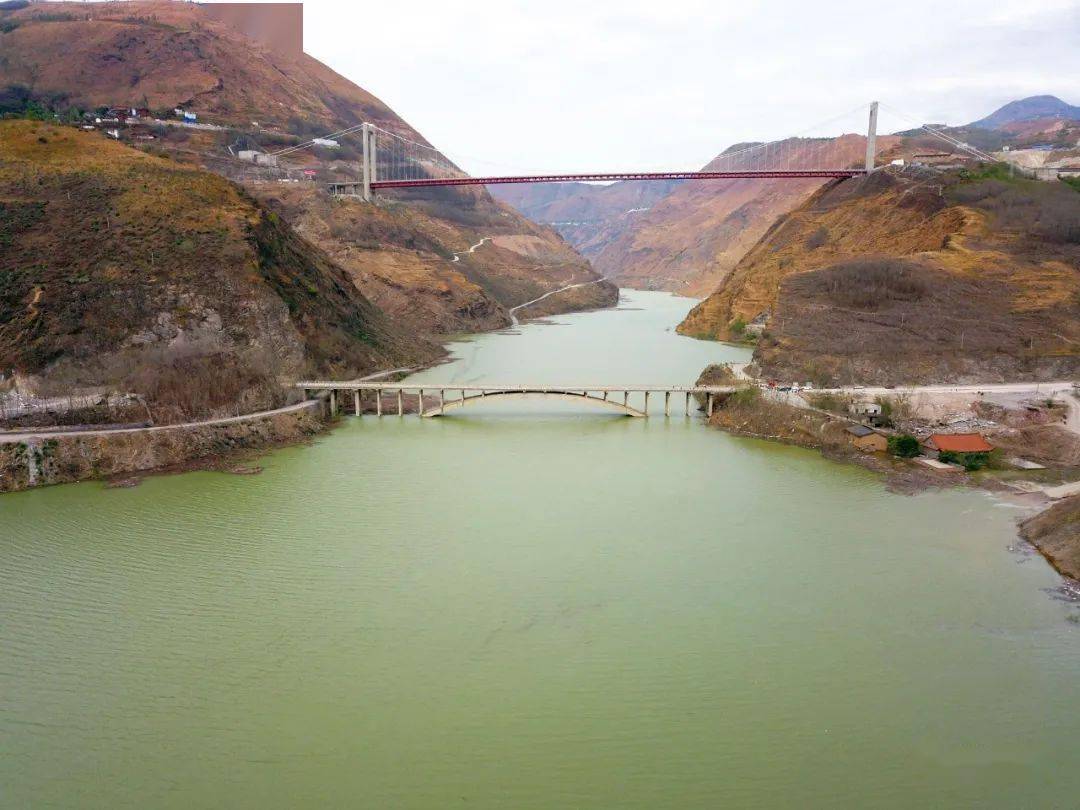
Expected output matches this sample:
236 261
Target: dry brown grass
923 278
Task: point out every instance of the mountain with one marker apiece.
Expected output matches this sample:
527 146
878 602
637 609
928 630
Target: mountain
1027 109
912 275
683 237
129 272
584 213
265 94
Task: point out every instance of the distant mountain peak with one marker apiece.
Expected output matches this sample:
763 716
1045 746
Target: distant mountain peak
1027 109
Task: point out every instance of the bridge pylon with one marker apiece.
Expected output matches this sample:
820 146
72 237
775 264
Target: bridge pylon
367 168
871 138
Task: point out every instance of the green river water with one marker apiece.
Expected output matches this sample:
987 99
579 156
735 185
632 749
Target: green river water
533 605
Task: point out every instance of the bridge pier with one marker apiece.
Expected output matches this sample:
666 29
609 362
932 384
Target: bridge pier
378 402
646 411
667 403
333 403
400 404
442 401
687 403
625 398
356 401
708 407
420 402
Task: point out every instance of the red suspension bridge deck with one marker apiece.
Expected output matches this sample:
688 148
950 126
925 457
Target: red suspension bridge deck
356 187
605 176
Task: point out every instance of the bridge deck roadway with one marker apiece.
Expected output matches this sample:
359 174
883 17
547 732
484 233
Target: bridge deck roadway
598 394
326 385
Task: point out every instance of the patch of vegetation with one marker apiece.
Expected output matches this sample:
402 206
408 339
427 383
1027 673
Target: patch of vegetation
990 171
817 238
1071 182
16 217
969 461
904 446
744 396
18 101
866 284
829 401
59 16
1047 210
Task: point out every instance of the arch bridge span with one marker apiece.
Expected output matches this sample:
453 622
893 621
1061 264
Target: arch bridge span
435 399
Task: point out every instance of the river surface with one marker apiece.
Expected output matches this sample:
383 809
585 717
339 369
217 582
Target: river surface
533 605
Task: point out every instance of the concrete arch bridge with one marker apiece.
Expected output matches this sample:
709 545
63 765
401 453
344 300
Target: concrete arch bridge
435 399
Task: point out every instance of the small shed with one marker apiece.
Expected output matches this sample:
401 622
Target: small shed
867 439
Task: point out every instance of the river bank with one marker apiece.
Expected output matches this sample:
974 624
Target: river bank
42 459
1051 526
1055 532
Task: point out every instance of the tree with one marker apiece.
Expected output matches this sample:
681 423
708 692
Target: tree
904 446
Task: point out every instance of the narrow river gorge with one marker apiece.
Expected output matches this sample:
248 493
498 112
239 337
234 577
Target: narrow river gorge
533 605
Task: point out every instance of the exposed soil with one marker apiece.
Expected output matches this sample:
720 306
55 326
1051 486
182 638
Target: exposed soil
1056 533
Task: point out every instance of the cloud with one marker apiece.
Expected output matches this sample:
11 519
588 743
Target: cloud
577 86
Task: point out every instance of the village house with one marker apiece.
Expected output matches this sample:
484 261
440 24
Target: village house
959 444
867 439
870 411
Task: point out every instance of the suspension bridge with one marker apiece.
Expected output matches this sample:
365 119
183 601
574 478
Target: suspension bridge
390 160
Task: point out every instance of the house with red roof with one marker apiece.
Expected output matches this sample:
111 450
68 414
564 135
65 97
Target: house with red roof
958 443
970 450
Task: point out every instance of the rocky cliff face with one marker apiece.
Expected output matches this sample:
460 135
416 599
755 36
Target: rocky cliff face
399 254
912 276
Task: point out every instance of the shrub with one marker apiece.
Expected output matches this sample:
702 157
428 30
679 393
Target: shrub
969 461
1048 210
904 446
744 396
817 238
827 401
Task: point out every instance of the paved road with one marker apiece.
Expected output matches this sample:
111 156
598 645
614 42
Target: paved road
457 256
34 435
513 310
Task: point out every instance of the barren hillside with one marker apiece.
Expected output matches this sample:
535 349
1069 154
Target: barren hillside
684 237
912 276
129 272
68 57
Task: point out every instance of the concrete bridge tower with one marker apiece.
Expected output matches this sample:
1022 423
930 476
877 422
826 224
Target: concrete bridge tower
367 170
871 138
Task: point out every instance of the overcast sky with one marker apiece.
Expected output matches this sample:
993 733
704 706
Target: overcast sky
572 85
